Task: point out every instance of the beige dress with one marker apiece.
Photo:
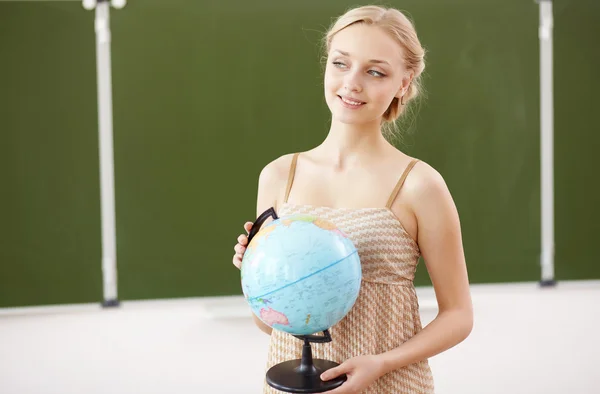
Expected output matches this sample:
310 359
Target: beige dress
386 312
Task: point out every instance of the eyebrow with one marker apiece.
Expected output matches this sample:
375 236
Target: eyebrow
370 61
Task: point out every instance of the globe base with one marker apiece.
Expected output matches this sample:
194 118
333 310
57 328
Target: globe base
291 377
303 375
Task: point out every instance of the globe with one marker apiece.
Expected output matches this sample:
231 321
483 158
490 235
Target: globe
300 274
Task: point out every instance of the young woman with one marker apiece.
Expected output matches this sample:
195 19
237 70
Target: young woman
395 208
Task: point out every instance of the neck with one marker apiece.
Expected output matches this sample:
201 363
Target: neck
353 143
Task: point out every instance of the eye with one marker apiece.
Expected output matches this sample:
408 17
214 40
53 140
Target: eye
376 73
338 64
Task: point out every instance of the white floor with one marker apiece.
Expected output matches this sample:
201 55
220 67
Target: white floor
525 340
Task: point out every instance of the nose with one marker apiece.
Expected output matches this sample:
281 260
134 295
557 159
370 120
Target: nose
352 82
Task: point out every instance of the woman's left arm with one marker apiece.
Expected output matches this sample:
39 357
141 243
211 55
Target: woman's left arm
440 242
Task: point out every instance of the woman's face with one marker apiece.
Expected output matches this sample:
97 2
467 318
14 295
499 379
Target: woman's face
364 73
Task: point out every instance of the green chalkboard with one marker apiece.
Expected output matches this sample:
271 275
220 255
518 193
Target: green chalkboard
206 93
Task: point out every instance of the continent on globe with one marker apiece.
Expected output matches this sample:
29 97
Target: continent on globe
298 218
326 225
263 300
262 234
323 224
271 316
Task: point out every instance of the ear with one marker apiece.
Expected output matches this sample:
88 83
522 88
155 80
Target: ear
406 81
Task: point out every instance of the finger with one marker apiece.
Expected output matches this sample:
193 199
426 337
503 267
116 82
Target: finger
237 261
335 372
242 240
240 249
248 226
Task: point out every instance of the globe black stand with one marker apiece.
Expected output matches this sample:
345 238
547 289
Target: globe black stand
303 375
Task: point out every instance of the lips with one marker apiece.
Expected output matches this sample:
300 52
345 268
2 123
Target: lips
351 102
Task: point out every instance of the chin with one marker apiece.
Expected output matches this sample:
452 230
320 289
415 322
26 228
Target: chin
350 118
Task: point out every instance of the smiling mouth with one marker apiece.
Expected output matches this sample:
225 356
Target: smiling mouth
351 103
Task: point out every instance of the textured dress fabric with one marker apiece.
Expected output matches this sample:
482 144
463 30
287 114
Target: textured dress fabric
386 312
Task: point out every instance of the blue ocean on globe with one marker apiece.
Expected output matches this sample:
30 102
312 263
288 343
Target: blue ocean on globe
300 274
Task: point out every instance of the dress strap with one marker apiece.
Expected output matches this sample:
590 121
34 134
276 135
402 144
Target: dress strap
291 177
400 183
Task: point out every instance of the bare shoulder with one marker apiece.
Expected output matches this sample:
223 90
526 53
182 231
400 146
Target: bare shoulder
429 195
272 181
425 179
276 171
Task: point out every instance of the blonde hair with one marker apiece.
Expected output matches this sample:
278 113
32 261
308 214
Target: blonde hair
402 29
